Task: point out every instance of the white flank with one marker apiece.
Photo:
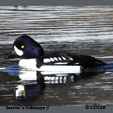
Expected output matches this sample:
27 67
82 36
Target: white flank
18 52
31 64
60 69
61 63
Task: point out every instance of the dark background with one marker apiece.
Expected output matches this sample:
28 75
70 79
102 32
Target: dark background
56 2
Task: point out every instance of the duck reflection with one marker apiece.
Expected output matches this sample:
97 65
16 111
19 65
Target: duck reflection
48 77
29 89
52 78
33 83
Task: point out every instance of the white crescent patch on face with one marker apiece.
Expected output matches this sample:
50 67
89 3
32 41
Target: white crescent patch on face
18 51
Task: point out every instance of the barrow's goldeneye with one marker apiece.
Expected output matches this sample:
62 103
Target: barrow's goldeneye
32 56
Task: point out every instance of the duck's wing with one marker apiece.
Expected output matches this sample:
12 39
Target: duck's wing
58 59
88 61
72 59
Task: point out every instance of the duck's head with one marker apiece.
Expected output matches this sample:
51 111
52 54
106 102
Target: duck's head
25 47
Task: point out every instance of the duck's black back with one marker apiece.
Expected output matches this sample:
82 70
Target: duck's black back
73 59
88 61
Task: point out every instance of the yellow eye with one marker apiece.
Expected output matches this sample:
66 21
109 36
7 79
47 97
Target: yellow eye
22 46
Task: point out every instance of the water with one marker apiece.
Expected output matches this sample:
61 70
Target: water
82 30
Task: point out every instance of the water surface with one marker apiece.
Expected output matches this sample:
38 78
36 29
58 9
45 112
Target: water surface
84 30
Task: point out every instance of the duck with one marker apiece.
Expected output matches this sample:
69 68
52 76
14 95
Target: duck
33 56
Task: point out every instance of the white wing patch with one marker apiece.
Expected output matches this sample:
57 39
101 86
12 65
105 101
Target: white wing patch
52 59
70 58
46 60
61 63
63 58
57 60
18 51
77 63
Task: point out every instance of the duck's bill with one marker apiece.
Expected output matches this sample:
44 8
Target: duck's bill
13 55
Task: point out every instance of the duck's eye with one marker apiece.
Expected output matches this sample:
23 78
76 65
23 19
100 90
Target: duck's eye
22 46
